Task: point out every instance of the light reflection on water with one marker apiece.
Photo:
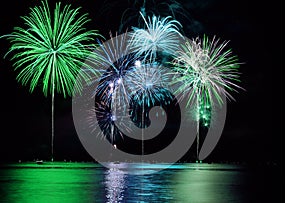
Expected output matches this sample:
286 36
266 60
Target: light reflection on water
89 182
115 185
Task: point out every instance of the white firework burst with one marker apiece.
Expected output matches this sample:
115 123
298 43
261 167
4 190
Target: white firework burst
205 69
160 34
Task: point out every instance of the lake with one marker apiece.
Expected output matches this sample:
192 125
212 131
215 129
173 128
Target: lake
91 182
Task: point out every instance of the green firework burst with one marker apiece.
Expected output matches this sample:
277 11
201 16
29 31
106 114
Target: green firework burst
51 48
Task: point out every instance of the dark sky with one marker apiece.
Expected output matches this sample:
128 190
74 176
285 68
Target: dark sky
254 128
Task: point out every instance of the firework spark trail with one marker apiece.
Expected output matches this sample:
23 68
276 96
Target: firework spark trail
147 83
104 120
52 49
205 70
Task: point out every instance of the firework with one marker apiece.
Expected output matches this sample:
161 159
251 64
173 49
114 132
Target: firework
205 71
172 8
147 86
114 62
148 83
126 83
51 49
105 119
160 34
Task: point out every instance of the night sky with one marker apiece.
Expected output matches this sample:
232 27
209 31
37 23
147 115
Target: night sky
254 128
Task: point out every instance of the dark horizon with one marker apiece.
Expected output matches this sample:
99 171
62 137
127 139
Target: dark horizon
254 128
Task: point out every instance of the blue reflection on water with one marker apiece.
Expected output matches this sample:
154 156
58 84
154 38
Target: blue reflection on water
178 183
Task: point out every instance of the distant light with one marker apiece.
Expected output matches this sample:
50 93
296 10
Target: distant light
138 63
113 118
111 84
115 146
119 80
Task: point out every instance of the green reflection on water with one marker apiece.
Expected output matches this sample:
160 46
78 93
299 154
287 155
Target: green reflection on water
208 183
62 183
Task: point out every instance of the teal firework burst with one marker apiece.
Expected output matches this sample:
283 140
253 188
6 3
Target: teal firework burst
160 34
172 8
148 83
148 86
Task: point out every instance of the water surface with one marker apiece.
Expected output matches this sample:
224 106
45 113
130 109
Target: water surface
90 182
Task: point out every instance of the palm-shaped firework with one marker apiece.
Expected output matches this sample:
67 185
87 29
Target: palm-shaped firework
205 71
131 15
51 49
160 34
